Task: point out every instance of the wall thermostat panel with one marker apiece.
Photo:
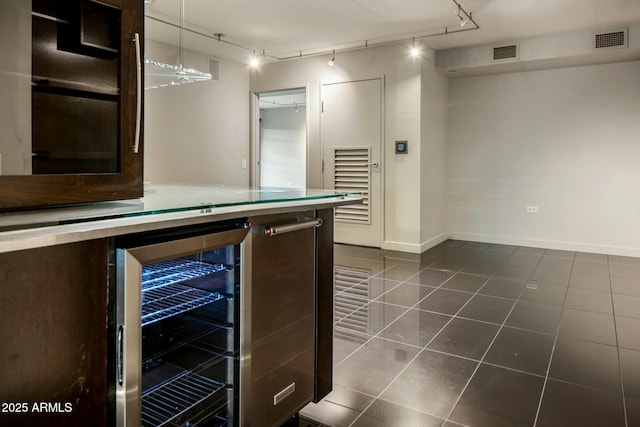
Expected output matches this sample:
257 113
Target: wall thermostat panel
402 147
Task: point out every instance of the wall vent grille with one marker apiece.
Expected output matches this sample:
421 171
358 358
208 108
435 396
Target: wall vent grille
614 39
505 52
352 173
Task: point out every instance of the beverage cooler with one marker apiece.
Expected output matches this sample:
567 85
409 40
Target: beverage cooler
177 326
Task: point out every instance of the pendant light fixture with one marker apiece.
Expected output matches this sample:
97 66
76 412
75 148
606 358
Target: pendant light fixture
158 74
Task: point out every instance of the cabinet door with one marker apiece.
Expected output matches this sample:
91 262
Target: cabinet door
291 316
70 101
282 320
53 357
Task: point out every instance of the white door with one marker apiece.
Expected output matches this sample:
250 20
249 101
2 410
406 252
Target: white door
351 141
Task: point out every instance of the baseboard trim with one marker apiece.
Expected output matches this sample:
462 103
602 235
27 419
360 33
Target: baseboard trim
411 248
434 241
547 244
414 248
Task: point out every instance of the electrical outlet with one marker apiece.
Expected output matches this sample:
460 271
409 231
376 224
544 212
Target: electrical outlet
243 163
532 209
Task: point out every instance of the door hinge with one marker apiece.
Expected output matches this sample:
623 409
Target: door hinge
322 166
322 106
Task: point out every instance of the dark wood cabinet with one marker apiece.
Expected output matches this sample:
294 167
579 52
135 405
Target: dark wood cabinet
291 321
86 105
53 312
58 331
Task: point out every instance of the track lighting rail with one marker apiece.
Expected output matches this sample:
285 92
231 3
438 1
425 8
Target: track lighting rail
467 23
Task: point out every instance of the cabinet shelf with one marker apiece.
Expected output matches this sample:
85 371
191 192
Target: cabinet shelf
177 270
163 293
49 16
99 28
69 88
75 155
163 302
163 405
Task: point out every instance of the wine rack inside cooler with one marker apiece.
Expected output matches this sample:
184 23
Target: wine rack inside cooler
190 339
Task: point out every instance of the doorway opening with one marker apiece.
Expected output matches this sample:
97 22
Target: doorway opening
282 140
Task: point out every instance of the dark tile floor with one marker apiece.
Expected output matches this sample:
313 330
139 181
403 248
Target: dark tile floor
475 334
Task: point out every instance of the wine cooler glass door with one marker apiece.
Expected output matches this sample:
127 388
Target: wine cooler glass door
178 331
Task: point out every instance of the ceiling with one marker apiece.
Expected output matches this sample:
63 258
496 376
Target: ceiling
283 28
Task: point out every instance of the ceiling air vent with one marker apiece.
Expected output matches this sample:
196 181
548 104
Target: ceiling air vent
505 52
613 39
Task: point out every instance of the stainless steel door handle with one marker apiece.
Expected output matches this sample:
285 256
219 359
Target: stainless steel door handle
120 356
374 164
272 230
136 143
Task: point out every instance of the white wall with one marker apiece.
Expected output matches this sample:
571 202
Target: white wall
565 140
283 147
198 132
434 126
405 215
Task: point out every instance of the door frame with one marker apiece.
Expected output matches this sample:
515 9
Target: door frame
383 138
255 133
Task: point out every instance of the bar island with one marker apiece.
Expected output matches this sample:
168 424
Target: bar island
201 305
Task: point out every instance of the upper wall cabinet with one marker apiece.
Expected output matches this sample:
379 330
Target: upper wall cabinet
70 101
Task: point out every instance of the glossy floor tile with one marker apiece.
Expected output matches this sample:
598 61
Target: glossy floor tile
465 338
521 350
431 384
566 404
476 334
499 397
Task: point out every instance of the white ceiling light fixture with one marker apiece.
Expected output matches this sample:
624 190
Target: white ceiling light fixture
254 61
158 74
332 61
415 50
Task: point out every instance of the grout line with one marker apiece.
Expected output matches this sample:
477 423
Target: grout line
441 329
494 339
615 329
453 407
553 349
366 303
424 348
421 350
369 339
